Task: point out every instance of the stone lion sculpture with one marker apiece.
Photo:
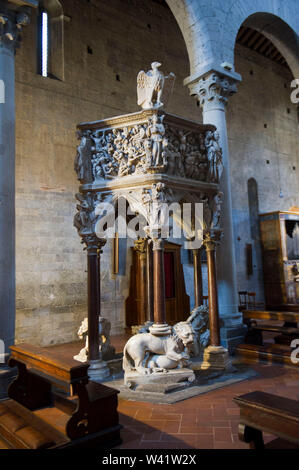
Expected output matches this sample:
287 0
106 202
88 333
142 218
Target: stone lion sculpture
105 347
146 353
199 320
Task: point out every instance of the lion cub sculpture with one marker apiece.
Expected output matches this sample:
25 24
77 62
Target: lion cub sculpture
146 353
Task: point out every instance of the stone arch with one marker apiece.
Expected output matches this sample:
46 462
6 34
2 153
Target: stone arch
280 34
210 30
198 49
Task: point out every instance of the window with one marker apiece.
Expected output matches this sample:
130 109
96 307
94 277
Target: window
44 44
50 40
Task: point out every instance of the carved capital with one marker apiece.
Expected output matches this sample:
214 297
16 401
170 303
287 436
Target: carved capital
213 90
140 245
158 244
93 244
89 212
212 239
11 24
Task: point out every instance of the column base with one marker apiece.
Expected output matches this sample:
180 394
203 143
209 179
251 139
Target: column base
232 331
98 371
159 382
160 329
216 358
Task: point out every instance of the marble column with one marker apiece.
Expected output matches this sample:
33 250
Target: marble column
198 290
210 245
12 19
150 291
213 89
215 356
160 326
140 246
98 369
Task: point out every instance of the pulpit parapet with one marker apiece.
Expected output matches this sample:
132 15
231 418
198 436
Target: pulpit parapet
146 143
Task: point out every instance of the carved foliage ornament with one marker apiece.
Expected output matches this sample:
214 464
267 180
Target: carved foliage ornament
214 90
151 147
212 239
88 214
11 23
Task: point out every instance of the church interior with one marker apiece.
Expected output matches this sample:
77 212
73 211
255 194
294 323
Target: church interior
149 224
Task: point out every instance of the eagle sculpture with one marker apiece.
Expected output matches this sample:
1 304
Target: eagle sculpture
153 88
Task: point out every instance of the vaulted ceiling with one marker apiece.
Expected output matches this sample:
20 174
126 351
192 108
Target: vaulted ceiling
257 42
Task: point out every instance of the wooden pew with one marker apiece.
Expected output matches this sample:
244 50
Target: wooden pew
50 385
263 412
255 349
255 321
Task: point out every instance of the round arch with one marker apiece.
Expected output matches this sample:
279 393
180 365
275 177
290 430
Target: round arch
210 31
280 34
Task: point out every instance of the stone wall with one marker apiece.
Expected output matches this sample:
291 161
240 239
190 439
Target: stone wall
104 51
106 44
263 141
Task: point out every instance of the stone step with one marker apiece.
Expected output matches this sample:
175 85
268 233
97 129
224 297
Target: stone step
267 353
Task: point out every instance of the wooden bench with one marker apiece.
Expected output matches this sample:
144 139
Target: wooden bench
255 321
49 386
263 412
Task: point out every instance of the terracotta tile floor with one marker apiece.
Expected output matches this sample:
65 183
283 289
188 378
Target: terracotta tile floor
209 421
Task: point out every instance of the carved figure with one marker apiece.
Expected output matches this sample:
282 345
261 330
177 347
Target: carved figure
85 217
199 320
82 164
155 131
216 210
214 154
151 85
191 166
207 213
147 353
218 158
105 348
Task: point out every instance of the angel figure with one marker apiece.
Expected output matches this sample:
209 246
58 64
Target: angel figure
152 85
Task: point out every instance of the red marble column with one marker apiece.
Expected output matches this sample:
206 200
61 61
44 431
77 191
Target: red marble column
160 326
198 291
150 288
98 369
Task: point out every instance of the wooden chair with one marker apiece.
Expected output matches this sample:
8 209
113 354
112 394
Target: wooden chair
243 300
251 303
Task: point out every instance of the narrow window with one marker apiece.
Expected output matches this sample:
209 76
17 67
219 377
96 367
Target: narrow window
50 46
44 44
